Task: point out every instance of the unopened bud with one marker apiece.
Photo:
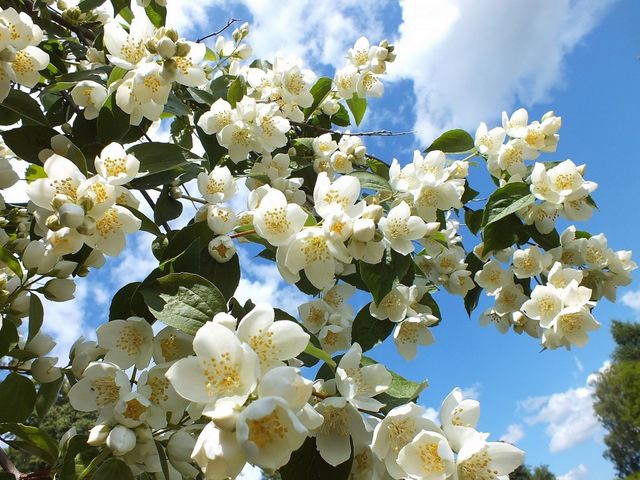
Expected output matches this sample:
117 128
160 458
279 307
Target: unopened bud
151 45
98 435
292 152
66 128
53 223
60 144
364 229
44 370
182 49
180 446
374 212
88 226
71 215
169 69
121 440
172 34
59 289
166 47
175 193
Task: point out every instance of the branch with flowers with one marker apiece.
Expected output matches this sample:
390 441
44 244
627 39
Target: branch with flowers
186 381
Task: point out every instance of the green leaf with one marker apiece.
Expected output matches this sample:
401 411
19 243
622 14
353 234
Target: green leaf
76 446
378 167
119 5
8 337
10 261
36 316
34 172
368 331
156 157
341 117
163 460
176 107
33 440
157 14
26 106
17 398
453 141
183 300
506 200
319 91
306 463
469 193
112 469
113 123
401 390
357 106
473 219
503 233
372 181
86 5
77 158
27 141
47 395
379 278
120 308
167 208
147 224
237 90
471 299
201 96
320 354
545 240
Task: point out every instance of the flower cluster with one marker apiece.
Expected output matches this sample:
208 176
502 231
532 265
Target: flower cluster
20 59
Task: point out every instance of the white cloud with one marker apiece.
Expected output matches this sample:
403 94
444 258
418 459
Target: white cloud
472 391
632 300
469 60
568 416
514 433
577 473
432 414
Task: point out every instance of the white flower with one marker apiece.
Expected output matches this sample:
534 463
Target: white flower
427 457
127 49
268 432
342 422
163 398
393 306
489 141
128 101
341 194
19 30
128 342
359 384
217 186
171 344
91 95
221 220
189 71
219 116
313 252
541 185
287 383
224 370
346 81
459 417
574 320
410 333
59 289
111 230
397 429
530 262
314 315
273 342
509 299
516 125
334 337
27 64
276 220
63 180
218 453
132 410
272 127
400 228
222 249
564 179
238 138
101 386
595 251
480 459
116 165
44 370
544 305
493 276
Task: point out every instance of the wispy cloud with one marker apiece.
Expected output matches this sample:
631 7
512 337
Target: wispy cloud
513 434
580 472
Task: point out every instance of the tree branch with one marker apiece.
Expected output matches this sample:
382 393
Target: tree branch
373 133
8 466
230 22
152 204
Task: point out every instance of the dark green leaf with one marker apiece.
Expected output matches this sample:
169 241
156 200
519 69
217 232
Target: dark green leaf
183 300
358 107
36 316
379 278
368 331
47 395
157 14
86 5
176 107
113 123
473 219
158 157
121 304
163 460
319 91
17 398
24 105
545 240
167 208
306 463
147 225
469 193
113 469
119 5
503 233
401 390
33 440
10 261
341 117
76 446
506 200
27 142
471 299
453 141
237 90
378 167
8 337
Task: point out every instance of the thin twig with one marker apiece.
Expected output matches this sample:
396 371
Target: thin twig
373 133
152 204
242 234
70 102
230 22
8 466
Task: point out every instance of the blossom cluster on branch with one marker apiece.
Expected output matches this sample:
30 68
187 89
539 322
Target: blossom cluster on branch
224 384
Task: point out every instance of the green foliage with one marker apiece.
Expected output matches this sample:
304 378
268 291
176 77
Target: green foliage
523 472
358 107
306 463
368 331
453 141
617 400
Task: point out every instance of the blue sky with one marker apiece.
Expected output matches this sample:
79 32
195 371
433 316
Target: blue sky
460 63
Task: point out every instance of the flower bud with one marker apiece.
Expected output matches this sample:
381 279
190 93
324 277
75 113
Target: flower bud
44 370
360 151
166 47
121 440
374 212
95 56
70 215
64 268
98 435
180 446
243 51
225 416
66 128
364 229
88 226
143 433
40 345
36 256
172 34
169 69
59 289
182 49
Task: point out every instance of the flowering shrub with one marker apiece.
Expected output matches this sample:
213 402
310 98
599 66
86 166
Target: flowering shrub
184 379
